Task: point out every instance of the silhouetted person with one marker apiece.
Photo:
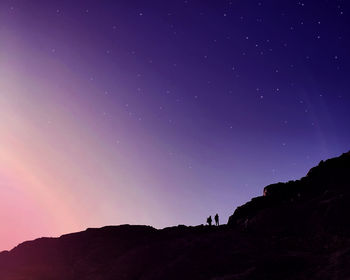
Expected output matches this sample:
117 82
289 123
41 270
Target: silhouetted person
216 218
209 220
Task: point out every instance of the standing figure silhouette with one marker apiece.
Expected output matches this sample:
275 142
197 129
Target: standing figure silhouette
216 219
209 220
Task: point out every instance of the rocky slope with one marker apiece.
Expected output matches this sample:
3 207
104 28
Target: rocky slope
297 230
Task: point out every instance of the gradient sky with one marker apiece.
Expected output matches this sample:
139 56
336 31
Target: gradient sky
162 112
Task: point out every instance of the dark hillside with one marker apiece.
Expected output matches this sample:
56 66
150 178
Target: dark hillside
297 230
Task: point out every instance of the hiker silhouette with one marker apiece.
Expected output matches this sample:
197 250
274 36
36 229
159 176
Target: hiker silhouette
216 219
209 220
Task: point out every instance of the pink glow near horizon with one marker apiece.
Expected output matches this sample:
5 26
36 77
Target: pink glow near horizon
57 175
48 181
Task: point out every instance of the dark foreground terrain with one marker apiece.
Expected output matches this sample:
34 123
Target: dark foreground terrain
297 230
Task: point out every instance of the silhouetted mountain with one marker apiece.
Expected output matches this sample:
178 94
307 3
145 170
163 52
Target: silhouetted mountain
297 230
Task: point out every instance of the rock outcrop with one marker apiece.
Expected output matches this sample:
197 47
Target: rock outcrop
316 201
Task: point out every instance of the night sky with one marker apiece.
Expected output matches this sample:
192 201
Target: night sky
162 112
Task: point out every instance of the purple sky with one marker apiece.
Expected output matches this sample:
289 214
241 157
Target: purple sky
164 112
